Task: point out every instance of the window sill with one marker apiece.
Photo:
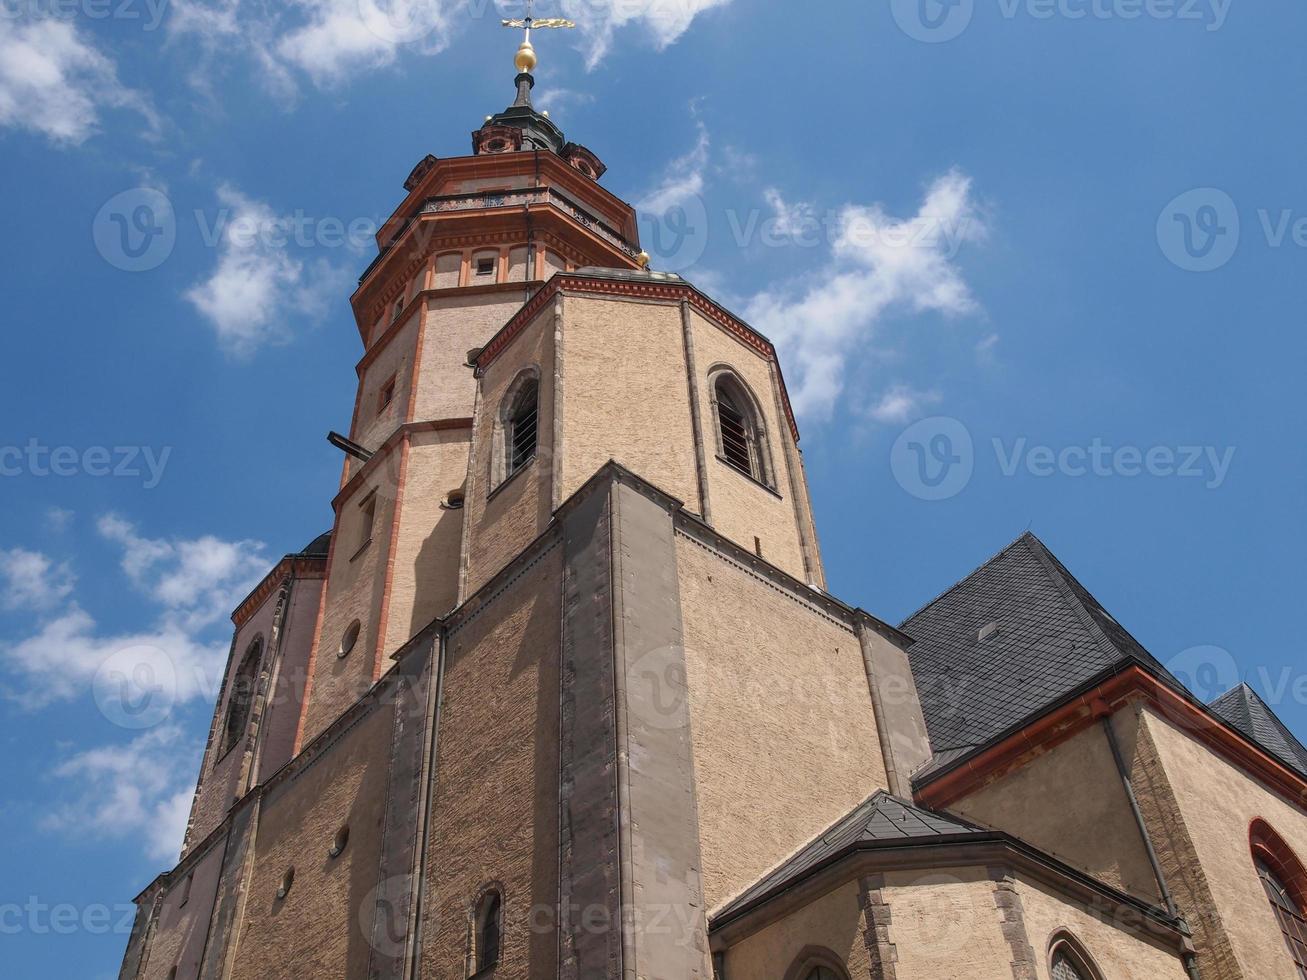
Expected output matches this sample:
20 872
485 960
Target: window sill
483 974
362 548
748 476
509 479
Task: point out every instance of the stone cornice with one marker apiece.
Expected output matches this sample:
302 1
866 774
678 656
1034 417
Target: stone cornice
645 289
292 566
1102 697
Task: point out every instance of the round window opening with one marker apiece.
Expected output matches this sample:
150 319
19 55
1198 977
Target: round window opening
350 638
454 500
287 881
339 843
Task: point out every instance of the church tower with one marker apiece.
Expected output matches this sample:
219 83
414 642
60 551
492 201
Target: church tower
455 731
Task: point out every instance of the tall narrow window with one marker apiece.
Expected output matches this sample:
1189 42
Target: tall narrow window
1064 968
1069 960
241 698
740 440
1284 880
489 929
522 430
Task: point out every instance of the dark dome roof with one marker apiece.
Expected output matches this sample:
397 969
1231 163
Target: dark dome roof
318 546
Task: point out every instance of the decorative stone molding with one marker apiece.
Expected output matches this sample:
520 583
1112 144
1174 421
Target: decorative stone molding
1008 902
876 917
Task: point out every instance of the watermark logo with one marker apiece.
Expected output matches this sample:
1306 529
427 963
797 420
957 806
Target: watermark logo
136 687
934 459
35 459
676 234
1207 671
401 21
136 231
1199 230
933 21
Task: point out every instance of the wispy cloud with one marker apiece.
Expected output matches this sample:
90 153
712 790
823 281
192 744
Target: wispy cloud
138 789
31 582
682 180
54 81
876 263
258 290
663 20
901 403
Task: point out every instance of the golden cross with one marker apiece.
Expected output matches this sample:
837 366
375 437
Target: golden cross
530 23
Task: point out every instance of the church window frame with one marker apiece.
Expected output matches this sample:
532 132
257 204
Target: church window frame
487 931
740 427
1284 881
240 697
1068 959
516 438
817 962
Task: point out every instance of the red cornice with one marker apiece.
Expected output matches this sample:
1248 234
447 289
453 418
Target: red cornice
1071 718
397 438
672 292
298 566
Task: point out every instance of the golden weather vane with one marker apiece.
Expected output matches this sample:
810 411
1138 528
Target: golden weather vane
526 55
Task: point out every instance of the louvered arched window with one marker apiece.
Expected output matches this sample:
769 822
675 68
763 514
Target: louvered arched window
1069 960
517 428
741 437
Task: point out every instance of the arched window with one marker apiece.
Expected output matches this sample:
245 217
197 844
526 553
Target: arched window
241 699
487 930
1285 884
523 427
816 963
741 439
1068 960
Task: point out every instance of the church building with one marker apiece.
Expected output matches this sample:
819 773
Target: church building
564 691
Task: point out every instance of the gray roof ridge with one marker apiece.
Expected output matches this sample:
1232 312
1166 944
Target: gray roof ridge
1055 569
971 574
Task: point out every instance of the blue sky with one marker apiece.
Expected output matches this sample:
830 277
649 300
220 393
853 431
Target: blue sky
1032 264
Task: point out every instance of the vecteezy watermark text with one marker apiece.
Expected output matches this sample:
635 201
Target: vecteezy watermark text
149 12
937 21
935 459
122 462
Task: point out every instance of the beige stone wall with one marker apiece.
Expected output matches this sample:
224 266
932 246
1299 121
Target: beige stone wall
394 361
1070 803
832 922
741 509
1217 804
1120 951
183 921
221 774
455 325
424 570
946 925
784 732
626 395
354 591
504 519
495 813
315 931
281 720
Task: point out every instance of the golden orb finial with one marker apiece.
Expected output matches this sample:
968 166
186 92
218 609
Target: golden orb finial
526 57
643 260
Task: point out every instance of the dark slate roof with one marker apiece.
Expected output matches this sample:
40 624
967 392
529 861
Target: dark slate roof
881 820
1051 636
1242 708
318 547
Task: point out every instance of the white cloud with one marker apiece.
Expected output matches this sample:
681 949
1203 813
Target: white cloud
327 40
31 581
58 518
901 403
62 659
665 20
560 100
876 263
682 181
138 789
55 82
258 289
194 582
985 349
197 580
